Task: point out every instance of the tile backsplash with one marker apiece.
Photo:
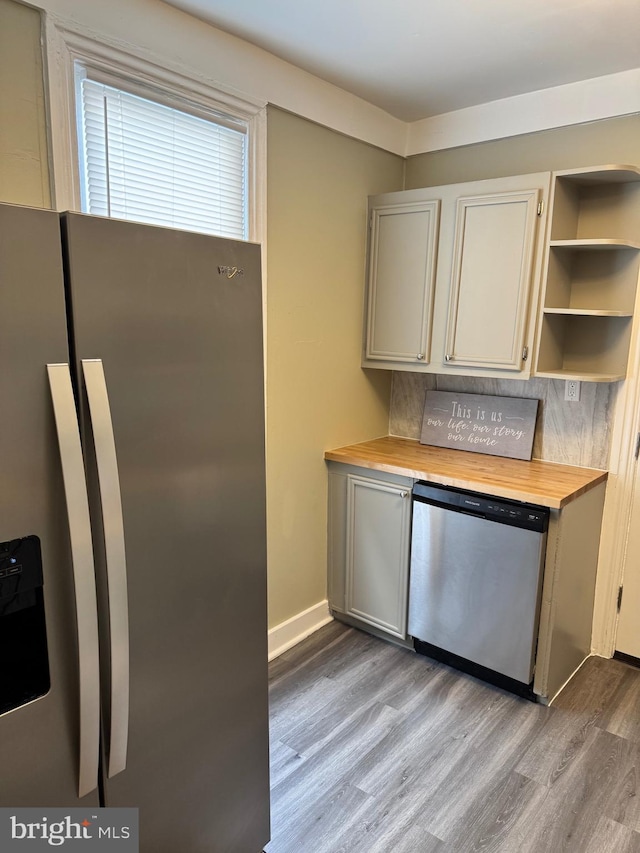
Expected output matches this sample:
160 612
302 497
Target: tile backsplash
570 433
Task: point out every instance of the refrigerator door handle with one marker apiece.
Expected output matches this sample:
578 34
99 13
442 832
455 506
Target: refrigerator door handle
75 488
109 485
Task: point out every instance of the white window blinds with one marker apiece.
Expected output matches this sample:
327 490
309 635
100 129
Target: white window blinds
149 162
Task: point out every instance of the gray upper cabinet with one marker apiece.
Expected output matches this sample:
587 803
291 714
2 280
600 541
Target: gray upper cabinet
457 292
402 267
491 278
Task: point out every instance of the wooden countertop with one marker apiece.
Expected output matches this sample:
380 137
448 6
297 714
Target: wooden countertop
544 483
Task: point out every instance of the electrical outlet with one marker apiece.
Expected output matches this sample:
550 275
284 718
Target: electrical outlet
572 390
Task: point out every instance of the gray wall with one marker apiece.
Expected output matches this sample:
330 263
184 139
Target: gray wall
614 140
317 395
24 168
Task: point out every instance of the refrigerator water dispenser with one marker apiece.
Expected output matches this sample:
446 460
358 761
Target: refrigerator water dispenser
24 663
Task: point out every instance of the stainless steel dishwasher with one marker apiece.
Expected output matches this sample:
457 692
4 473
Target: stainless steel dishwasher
476 581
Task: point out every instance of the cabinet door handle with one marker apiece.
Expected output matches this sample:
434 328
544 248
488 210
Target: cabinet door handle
403 494
420 356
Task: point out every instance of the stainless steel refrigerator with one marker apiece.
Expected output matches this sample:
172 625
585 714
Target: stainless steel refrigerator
132 527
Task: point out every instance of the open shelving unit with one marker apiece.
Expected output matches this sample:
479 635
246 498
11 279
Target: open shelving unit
592 267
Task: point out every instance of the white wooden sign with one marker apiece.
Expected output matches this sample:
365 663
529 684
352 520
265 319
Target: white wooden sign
499 426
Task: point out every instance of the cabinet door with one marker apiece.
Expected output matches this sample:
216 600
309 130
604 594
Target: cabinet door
493 259
401 282
377 553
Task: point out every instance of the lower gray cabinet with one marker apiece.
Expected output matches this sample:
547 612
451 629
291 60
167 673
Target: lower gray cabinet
369 528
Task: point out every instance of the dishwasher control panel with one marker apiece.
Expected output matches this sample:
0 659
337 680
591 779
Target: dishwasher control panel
524 515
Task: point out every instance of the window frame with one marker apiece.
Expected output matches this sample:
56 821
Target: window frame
67 49
161 98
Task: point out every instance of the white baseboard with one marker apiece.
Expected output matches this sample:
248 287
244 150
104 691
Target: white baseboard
288 634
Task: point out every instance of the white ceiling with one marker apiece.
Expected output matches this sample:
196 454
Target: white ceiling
419 58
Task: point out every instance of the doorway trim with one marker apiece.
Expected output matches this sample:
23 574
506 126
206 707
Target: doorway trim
618 502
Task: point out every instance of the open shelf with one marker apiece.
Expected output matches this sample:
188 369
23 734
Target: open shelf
574 345
597 205
600 244
587 312
579 377
599 278
593 263
610 174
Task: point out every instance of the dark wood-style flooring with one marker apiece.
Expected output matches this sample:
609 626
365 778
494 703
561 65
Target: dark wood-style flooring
378 750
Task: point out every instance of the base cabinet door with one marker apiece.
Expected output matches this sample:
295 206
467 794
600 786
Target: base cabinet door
369 529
